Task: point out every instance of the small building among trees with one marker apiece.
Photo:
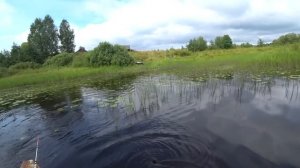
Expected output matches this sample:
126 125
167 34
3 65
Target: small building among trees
81 49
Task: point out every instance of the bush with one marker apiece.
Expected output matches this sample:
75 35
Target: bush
81 60
287 39
177 52
3 72
108 54
62 59
246 45
121 57
25 65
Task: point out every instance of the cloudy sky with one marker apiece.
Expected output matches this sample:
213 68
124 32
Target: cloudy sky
152 24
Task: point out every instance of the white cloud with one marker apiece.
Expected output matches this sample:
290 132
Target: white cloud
149 24
155 24
5 14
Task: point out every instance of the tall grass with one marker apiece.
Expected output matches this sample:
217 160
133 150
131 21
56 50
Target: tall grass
251 60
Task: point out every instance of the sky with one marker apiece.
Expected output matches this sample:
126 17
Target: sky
152 24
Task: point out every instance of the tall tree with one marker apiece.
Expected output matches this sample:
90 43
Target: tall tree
260 42
223 42
66 36
43 38
50 36
15 53
227 41
5 60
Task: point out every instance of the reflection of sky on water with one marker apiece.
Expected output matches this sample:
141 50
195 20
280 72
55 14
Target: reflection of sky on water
260 116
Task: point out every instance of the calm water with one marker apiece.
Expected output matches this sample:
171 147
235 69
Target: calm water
156 121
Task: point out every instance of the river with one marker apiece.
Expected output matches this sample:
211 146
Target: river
156 121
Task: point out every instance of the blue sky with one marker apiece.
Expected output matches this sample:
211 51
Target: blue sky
152 24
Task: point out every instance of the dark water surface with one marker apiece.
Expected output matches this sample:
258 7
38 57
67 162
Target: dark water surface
156 121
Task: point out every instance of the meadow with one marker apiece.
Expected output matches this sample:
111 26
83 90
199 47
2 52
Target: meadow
271 60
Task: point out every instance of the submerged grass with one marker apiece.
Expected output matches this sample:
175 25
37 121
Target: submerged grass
284 60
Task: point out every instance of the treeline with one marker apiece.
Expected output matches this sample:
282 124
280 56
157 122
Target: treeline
225 42
48 46
42 42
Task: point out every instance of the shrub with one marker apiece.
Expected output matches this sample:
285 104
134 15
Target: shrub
177 52
81 60
25 65
62 59
246 45
102 54
121 57
3 72
108 54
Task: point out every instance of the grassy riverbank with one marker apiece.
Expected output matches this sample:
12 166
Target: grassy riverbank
270 59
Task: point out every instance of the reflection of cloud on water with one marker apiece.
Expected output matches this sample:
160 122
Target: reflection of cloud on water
283 99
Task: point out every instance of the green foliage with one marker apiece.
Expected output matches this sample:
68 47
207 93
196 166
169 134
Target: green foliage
219 42
102 54
224 42
3 72
66 36
121 57
108 54
212 45
81 59
27 53
62 59
25 65
260 43
227 42
15 53
5 60
270 59
246 45
177 52
43 37
197 44
287 39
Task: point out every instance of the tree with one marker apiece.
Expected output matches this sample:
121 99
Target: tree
197 44
224 42
219 42
246 45
27 53
66 36
227 42
260 42
287 39
5 60
50 36
43 38
212 45
15 53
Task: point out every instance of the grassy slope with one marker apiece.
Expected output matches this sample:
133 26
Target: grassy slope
254 60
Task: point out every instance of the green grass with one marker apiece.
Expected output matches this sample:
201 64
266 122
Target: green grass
271 59
48 76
